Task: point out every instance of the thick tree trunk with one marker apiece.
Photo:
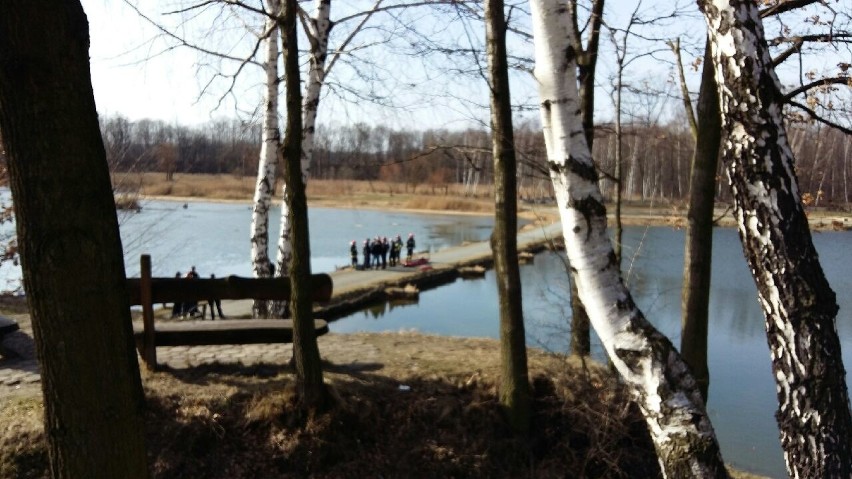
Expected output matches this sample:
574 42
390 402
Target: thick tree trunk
305 349
650 365
268 164
69 243
698 252
799 305
514 381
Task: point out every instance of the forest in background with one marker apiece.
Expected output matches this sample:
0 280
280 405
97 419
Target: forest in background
657 156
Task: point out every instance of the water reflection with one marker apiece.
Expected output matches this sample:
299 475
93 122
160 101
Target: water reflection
378 310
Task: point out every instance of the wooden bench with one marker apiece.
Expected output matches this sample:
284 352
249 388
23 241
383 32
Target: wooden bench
148 291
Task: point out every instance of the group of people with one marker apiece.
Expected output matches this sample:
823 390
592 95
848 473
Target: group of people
190 309
380 251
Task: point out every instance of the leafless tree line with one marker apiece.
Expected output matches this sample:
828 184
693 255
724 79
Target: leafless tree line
657 156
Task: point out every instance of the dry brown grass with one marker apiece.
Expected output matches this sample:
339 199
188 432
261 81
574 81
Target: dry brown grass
444 198
226 187
243 421
230 421
242 188
443 203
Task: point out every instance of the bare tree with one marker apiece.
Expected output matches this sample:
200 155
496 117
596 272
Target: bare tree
268 162
514 380
798 303
698 249
305 349
660 380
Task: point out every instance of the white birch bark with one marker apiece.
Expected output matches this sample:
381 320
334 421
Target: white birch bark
319 28
658 378
799 306
268 162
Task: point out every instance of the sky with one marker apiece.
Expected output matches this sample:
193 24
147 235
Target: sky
131 76
138 73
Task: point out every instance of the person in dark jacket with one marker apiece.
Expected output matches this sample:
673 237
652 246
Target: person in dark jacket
376 250
396 250
190 308
409 245
177 308
385 247
353 252
215 302
366 251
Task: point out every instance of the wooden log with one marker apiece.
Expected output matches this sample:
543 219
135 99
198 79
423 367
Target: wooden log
228 331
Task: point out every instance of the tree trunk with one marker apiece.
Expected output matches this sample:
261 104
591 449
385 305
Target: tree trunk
619 163
268 164
581 344
698 253
580 339
799 305
650 365
514 382
305 349
69 243
319 29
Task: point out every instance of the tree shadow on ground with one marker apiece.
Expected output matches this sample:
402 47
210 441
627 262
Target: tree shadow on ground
384 426
231 421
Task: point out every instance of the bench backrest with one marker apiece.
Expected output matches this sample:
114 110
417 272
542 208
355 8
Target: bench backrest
147 291
168 290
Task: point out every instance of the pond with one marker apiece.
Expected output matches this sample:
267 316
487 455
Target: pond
214 238
742 399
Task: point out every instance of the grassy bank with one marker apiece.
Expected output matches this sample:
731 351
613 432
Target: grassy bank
450 199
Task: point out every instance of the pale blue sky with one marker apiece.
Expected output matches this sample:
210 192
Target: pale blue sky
136 74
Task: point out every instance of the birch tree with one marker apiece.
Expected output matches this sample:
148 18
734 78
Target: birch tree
650 365
318 29
798 304
268 162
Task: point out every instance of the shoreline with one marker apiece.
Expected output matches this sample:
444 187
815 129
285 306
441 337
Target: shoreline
632 215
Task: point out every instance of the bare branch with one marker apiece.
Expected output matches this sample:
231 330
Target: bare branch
783 6
817 38
182 42
843 80
819 119
687 102
399 6
351 36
